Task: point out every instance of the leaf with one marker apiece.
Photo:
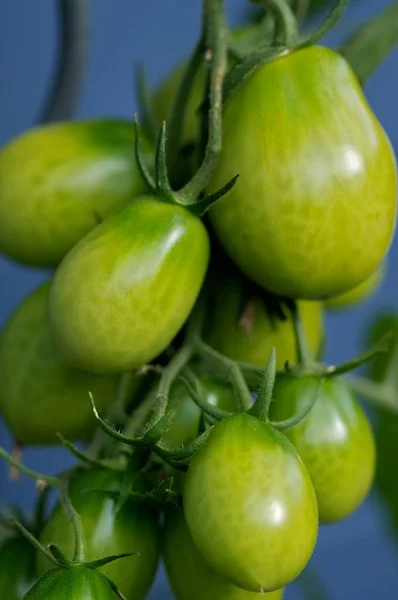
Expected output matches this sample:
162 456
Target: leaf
386 426
369 45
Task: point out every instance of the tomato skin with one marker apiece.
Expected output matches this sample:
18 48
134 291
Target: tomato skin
335 442
321 176
121 295
17 568
40 396
189 576
250 505
358 294
107 532
73 583
58 180
228 335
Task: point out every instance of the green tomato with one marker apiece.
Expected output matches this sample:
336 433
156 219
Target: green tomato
17 568
121 295
73 583
108 531
335 442
359 293
228 333
250 505
314 211
57 181
40 396
189 576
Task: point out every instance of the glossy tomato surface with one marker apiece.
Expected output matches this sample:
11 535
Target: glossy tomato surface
242 327
74 583
122 294
57 181
17 568
359 293
40 396
335 442
108 532
250 505
189 576
314 210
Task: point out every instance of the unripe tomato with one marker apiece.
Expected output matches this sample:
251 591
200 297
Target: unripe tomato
73 583
40 396
108 531
334 440
228 333
189 576
17 568
358 294
250 505
57 181
121 295
316 184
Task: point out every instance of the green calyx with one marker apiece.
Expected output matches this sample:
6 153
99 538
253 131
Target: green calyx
213 50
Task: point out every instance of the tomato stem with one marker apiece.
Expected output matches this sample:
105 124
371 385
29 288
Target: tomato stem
79 555
383 346
296 419
216 53
35 542
39 477
331 20
286 23
231 368
304 355
194 389
181 99
261 407
74 29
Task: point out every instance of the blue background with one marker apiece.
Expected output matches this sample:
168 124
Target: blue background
357 559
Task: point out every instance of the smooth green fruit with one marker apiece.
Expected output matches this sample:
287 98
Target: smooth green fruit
17 568
314 211
121 295
40 396
335 442
358 294
189 576
251 339
108 531
58 181
73 583
250 505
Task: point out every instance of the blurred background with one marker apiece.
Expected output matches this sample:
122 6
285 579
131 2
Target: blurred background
357 559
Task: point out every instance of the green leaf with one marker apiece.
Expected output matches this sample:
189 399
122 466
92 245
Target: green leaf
386 425
368 46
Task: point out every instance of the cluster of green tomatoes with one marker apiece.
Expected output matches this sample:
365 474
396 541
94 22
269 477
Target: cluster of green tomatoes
197 335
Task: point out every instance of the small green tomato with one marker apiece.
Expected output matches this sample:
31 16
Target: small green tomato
250 505
335 441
